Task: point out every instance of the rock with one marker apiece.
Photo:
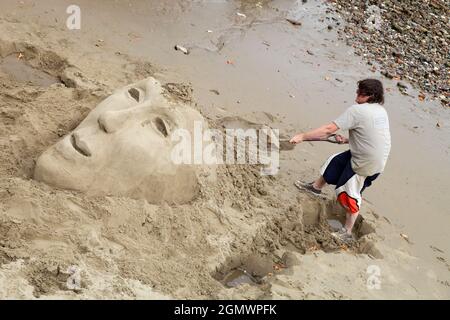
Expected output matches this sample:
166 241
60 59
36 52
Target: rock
397 27
293 21
387 74
397 53
402 85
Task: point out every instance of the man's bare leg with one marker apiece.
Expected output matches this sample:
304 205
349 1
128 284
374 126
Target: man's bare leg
350 221
319 183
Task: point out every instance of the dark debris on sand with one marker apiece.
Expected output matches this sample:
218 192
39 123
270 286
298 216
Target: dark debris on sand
409 39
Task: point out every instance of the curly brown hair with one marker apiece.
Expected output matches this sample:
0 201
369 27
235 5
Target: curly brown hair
372 88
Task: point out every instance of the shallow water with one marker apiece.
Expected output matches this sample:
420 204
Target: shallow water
21 71
238 277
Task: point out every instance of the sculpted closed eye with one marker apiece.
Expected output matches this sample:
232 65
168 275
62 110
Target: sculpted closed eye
161 126
134 93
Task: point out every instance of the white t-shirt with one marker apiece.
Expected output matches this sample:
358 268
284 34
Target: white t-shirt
369 137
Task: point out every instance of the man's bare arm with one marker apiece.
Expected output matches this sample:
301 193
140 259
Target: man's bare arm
322 132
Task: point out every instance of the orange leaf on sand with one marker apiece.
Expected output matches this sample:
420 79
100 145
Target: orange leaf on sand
421 97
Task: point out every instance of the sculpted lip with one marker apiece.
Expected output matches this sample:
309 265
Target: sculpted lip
79 147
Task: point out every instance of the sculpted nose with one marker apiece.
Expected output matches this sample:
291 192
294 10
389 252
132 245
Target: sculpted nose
111 121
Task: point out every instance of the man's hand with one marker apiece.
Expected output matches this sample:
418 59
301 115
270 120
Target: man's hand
341 139
298 138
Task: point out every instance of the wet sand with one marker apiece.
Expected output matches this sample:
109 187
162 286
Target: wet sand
260 66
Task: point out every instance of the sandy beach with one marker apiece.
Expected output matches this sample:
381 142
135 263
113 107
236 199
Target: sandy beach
246 66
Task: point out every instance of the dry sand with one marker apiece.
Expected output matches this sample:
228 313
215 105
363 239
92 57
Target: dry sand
126 248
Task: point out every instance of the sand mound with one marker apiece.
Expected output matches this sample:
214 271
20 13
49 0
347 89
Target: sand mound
59 243
120 247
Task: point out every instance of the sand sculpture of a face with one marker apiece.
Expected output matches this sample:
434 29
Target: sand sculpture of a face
123 147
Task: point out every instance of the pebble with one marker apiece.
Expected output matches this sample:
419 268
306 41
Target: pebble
411 43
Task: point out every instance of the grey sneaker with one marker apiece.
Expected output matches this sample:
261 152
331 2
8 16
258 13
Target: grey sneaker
307 187
343 236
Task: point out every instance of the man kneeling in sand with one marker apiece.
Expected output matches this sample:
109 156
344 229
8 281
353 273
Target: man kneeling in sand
354 170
